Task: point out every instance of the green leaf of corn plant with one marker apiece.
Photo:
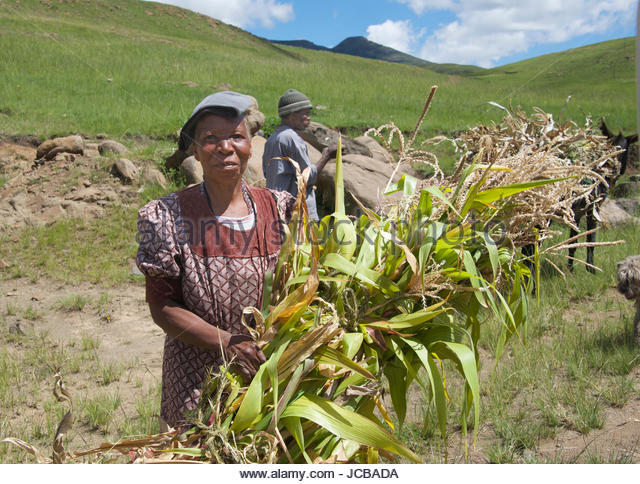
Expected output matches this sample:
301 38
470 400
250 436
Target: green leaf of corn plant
437 387
347 424
332 356
351 344
412 321
398 388
499 193
339 181
406 184
367 276
465 357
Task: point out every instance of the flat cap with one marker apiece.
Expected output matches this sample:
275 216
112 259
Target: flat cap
234 103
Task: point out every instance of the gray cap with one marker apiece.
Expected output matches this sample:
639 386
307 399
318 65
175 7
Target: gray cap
230 101
292 101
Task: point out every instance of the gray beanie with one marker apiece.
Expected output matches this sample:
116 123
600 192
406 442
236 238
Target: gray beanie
292 101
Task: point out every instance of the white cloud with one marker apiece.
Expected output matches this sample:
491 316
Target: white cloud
486 31
419 6
398 35
241 13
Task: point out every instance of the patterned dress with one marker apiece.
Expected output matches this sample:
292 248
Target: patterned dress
188 256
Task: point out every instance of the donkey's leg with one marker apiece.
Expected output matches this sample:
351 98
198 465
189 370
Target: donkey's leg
591 224
572 250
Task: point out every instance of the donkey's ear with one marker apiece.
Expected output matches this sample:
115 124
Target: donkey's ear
605 130
632 139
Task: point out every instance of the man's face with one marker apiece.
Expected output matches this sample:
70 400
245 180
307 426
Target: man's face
223 146
299 119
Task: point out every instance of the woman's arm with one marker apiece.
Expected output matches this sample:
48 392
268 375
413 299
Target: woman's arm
180 323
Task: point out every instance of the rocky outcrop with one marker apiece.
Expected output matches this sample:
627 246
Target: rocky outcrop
153 176
191 170
111 146
320 136
254 118
364 177
253 175
68 144
125 170
174 161
612 214
377 150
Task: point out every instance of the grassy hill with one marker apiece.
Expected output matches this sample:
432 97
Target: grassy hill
129 68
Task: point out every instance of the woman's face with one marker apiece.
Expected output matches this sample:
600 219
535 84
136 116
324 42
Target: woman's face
223 147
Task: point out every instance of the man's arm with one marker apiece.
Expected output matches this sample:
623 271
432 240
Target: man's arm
328 153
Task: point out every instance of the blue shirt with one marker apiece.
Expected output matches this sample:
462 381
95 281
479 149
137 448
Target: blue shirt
280 174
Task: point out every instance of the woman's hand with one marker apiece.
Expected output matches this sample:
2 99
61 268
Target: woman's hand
245 356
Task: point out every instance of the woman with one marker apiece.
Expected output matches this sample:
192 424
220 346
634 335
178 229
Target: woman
204 252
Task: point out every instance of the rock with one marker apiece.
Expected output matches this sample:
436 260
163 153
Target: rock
253 175
68 144
154 176
320 136
255 119
111 146
91 153
365 177
125 170
64 157
612 214
377 150
191 170
82 210
87 194
174 161
629 205
51 214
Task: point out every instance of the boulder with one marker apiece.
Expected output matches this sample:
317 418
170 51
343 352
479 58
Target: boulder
253 174
629 205
377 150
191 170
612 214
68 144
174 161
154 176
255 119
111 146
364 177
314 154
125 170
320 136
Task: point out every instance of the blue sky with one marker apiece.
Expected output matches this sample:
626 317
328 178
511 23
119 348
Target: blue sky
486 33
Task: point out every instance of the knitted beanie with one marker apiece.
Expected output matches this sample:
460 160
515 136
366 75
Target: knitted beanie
292 101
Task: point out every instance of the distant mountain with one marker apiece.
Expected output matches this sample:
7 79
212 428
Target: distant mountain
305 44
362 47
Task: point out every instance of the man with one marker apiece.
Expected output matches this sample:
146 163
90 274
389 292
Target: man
294 109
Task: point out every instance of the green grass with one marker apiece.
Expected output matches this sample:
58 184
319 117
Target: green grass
73 302
127 75
100 411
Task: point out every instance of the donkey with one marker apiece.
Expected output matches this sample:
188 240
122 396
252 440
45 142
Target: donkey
588 206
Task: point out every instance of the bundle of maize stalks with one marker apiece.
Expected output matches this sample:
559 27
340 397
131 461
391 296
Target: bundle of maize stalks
522 148
358 306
